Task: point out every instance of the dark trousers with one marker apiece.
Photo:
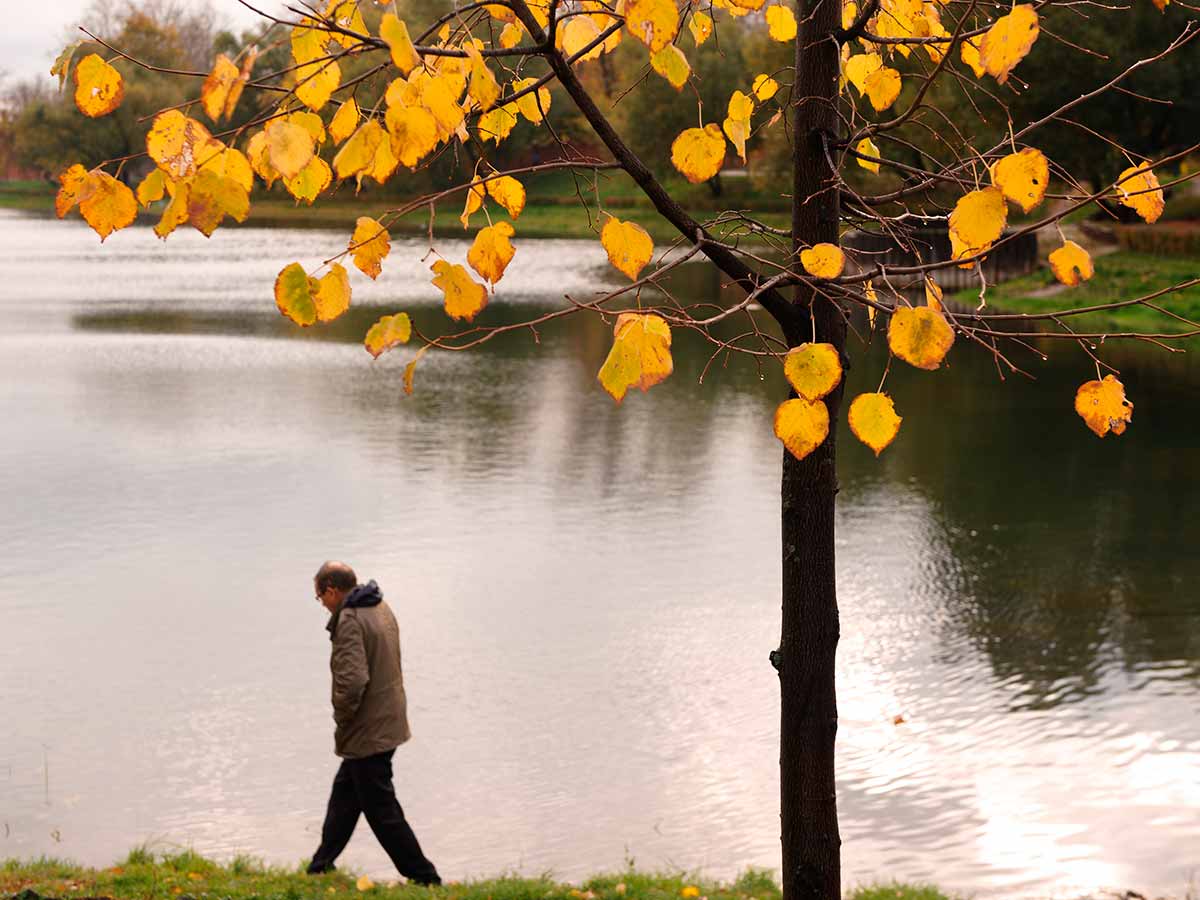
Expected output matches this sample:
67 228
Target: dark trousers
365 786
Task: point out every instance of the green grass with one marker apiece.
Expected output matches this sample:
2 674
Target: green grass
1118 276
185 875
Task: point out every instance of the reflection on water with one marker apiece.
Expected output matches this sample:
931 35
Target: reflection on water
587 594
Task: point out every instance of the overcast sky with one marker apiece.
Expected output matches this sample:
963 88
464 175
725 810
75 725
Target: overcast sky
32 38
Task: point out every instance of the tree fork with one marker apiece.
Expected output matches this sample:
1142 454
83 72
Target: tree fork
811 843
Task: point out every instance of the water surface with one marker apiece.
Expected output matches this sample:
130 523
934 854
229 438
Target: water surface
587 594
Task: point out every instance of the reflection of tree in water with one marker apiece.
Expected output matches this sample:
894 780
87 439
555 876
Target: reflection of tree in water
1071 554
1064 554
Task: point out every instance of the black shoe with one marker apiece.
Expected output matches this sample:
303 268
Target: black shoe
435 881
320 870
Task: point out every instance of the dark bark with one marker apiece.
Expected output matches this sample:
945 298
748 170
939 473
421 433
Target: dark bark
810 630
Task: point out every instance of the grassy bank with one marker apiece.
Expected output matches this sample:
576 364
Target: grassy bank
1119 276
187 876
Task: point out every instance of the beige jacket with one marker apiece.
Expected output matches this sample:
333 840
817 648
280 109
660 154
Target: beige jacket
369 705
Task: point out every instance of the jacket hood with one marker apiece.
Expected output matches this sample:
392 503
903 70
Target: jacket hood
367 594
360 595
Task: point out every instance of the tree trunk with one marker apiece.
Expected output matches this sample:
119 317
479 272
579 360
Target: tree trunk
810 630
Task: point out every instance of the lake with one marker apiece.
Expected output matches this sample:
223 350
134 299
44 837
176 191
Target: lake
587 594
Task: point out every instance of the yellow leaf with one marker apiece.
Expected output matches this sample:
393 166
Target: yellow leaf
741 7
874 421
690 891
740 106
1103 406
933 294
1023 177
151 189
671 64
492 251
534 105
823 260
921 337
781 23
509 193
883 87
99 87
464 296
106 204
62 63
978 219
176 212
364 883
1137 188
969 53
439 96
867 148
764 88
308 43
294 295
497 124
482 88
395 34
1071 264
332 296
311 123
258 151
345 14
738 132
73 181
653 22
231 163
384 164
214 196
699 152
316 82
344 121
370 245
577 33
1007 41
701 26
475 195
813 370
358 153
849 14
859 67
511 35
179 144
628 245
386 334
414 133
802 425
214 95
289 147
640 355
310 181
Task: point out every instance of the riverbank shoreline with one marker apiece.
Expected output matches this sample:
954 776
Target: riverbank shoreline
186 875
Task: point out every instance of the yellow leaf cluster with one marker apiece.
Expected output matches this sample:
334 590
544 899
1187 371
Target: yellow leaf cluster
99 87
628 245
307 300
640 355
1103 407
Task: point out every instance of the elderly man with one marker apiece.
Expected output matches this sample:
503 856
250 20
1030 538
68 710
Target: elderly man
370 710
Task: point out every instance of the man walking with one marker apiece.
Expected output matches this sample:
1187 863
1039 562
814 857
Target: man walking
370 711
